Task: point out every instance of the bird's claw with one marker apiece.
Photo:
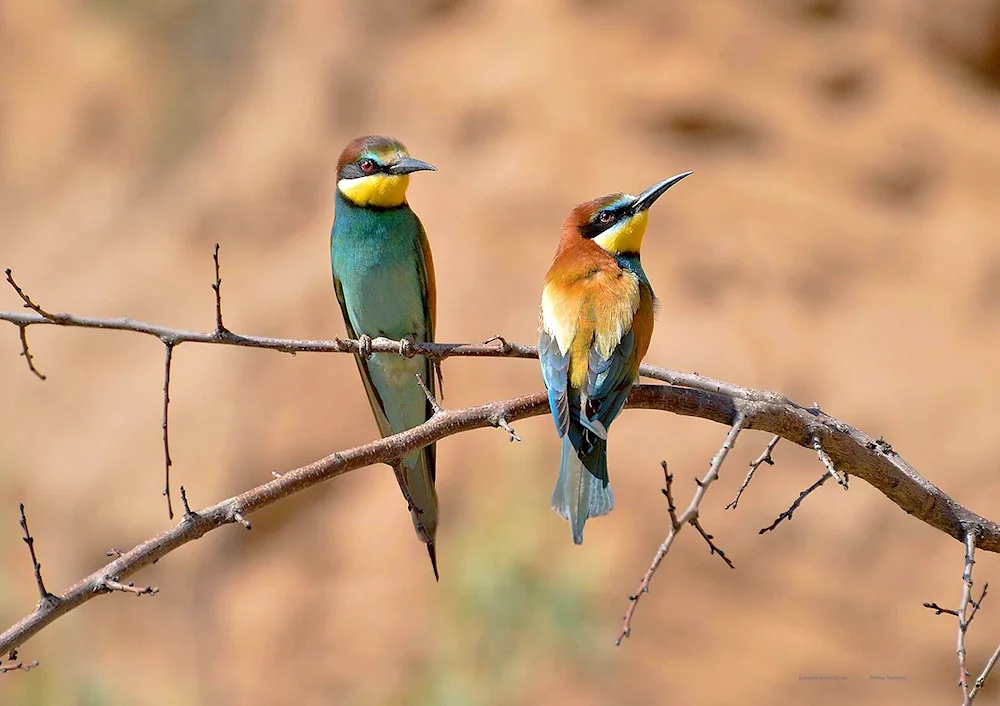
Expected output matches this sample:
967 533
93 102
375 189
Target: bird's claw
365 346
406 346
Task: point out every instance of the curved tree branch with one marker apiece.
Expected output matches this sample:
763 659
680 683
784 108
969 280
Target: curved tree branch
848 450
851 450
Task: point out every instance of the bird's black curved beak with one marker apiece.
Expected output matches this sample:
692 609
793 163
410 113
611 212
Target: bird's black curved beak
408 165
648 197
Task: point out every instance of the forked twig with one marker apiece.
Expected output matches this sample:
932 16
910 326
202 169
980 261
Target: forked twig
689 516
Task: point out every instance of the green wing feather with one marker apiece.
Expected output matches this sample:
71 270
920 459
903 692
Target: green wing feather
428 293
373 397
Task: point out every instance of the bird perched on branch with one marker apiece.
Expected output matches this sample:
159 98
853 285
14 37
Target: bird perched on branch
596 324
384 279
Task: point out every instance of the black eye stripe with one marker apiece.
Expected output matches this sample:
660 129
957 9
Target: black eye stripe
596 226
353 170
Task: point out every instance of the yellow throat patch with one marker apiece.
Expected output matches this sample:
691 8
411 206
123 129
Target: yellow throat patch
382 190
625 236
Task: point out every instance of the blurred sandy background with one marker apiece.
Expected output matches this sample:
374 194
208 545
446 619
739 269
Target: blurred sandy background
838 243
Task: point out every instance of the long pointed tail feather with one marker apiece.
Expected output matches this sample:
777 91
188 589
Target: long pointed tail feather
582 489
420 485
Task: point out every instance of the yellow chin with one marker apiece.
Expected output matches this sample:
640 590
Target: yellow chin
382 190
625 236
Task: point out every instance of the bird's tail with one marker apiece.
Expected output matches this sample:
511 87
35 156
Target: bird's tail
419 476
582 489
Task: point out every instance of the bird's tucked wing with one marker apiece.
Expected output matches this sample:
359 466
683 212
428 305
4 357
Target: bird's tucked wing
610 376
588 344
378 408
555 375
428 292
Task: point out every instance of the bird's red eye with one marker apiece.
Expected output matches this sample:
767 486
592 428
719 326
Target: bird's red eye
367 165
606 217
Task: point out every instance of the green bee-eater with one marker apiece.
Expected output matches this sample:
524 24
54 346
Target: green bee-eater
384 279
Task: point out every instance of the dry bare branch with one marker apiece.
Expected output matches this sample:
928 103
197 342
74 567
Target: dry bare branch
167 462
765 457
963 607
981 679
220 328
848 449
787 514
26 352
677 522
44 597
965 618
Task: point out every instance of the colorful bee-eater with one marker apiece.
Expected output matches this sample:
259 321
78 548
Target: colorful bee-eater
384 278
596 324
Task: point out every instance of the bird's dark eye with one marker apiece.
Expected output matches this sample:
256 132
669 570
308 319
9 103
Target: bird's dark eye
606 217
367 165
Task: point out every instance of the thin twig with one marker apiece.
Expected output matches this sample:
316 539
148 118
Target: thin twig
436 351
28 303
428 394
26 352
220 328
787 514
187 508
825 459
990 664
939 610
436 365
976 604
689 516
167 462
765 457
668 486
505 425
963 606
965 618
44 597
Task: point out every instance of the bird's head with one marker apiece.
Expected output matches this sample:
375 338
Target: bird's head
374 171
617 222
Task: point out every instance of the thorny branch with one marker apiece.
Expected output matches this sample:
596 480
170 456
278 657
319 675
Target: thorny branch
846 448
677 522
853 452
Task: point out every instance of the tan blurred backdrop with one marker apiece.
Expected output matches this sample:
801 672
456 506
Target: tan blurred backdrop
837 243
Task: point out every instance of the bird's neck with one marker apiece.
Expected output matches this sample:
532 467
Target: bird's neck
630 262
378 192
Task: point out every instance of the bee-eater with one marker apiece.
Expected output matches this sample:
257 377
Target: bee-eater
384 279
596 324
